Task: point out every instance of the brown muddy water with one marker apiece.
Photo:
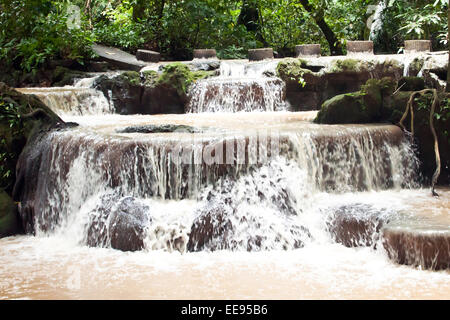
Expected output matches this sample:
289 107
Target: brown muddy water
55 268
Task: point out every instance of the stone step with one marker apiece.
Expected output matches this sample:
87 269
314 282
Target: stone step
359 47
418 243
205 54
148 56
412 46
119 58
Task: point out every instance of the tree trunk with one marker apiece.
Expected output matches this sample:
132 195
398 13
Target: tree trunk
88 11
139 10
250 18
159 27
333 42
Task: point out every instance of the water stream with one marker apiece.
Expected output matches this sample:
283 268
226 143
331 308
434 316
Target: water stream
239 208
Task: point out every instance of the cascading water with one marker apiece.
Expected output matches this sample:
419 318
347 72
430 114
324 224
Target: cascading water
266 178
77 100
240 87
247 199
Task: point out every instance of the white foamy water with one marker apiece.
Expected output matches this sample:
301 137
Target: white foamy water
237 210
54 268
241 87
81 99
270 176
72 101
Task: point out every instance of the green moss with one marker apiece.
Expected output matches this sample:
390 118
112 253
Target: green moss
150 77
344 108
349 65
132 77
178 76
201 74
293 71
363 106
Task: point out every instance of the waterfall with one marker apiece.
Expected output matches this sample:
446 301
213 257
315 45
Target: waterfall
77 100
72 101
241 87
266 180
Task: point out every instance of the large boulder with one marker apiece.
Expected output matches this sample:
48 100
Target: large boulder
24 121
211 228
118 222
151 92
127 225
310 82
9 222
263 217
363 106
124 89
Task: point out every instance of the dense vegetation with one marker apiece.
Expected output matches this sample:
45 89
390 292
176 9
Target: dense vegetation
32 32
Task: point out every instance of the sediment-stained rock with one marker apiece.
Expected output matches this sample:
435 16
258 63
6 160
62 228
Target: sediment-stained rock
357 225
424 247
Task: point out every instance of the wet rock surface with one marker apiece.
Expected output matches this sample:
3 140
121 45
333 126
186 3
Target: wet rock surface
218 226
252 213
357 225
310 82
211 228
364 106
127 225
34 121
151 92
165 128
119 223
415 245
204 65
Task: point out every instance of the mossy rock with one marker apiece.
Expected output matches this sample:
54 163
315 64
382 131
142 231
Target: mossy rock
22 117
8 216
349 65
178 76
292 69
363 106
344 108
295 74
411 84
130 77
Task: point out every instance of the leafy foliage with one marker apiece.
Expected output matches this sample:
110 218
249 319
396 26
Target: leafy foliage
33 32
10 121
412 20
